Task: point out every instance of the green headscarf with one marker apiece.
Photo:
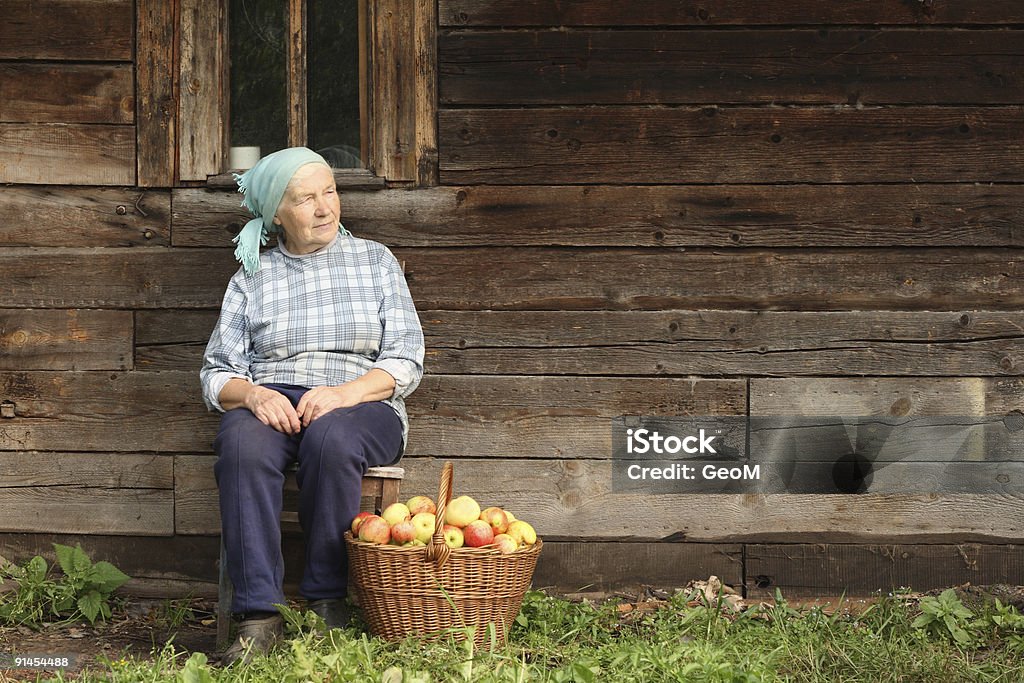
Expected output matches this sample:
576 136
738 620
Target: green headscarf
263 186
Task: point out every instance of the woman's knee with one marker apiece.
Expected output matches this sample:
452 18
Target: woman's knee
351 435
244 442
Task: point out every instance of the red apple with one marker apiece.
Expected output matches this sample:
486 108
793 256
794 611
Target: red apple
424 523
403 532
418 504
478 533
395 513
375 529
505 543
497 518
461 511
453 537
359 519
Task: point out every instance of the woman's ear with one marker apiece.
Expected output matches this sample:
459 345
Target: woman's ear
277 221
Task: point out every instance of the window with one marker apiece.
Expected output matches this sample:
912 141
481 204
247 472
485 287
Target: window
305 91
183 93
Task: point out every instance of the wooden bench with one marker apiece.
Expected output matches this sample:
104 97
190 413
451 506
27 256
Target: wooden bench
382 484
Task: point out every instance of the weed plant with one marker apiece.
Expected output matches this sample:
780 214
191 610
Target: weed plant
557 641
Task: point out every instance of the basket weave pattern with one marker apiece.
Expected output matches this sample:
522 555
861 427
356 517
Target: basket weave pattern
400 588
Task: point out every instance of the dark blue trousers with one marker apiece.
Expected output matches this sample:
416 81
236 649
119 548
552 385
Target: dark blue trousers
333 453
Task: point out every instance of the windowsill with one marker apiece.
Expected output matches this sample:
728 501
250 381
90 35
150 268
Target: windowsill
346 178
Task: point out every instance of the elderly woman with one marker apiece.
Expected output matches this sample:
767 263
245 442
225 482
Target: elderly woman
317 345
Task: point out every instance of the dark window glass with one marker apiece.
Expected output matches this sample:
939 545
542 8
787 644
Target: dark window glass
332 88
258 58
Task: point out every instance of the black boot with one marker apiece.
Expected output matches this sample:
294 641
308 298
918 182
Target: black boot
334 611
254 636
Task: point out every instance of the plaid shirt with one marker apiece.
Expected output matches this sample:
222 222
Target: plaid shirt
318 319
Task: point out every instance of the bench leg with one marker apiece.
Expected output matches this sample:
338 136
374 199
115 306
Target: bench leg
225 592
389 493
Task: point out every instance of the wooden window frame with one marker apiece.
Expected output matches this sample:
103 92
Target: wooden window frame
398 93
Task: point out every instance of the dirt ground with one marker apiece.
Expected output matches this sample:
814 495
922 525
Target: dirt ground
142 626
139 628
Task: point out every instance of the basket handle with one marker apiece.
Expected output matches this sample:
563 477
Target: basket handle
437 551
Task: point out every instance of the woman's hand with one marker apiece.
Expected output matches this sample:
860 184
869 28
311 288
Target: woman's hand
319 401
375 385
273 409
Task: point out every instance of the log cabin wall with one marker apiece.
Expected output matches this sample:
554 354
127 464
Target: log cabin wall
710 208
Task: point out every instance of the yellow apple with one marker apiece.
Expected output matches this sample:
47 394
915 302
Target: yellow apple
395 513
522 532
461 511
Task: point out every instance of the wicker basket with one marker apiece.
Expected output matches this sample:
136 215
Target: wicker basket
427 590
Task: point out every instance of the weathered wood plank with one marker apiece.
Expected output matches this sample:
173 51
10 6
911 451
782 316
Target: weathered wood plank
296 76
154 328
709 342
425 43
88 217
84 510
572 499
859 570
115 278
86 470
193 476
172 340
837 66
546 279
568 566
394 86
71 154
975 420
67 93
567 417
67 29
105 411
884 396
730 145
723 12
65 340
527 416
718 216
203 97
157 122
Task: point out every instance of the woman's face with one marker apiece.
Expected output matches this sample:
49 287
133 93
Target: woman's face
310 209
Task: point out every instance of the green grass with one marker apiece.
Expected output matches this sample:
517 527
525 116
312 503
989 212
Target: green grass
556 641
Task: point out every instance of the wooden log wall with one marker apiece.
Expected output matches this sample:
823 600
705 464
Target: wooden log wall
708 208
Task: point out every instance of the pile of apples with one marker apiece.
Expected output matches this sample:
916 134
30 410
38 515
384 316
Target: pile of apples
412 523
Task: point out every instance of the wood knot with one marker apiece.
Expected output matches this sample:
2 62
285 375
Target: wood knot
900 407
